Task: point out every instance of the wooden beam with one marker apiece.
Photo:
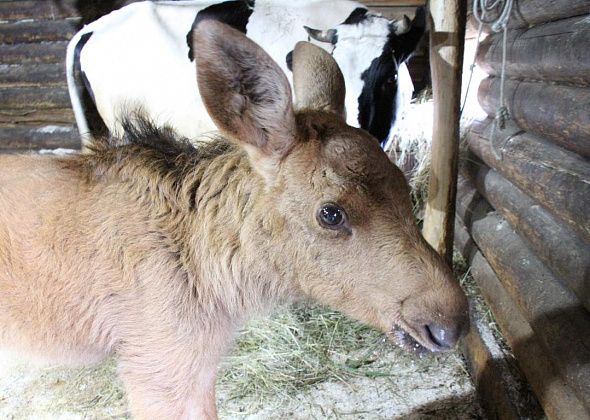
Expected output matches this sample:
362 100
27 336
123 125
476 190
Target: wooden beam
555 314
34 97
554 394
32 74
46 52
38 9
556 112
557 245
394 3
555 178
37 116
555 51
43 31
532 12
446 58
39 137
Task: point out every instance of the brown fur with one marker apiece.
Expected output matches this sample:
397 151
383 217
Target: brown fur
157 252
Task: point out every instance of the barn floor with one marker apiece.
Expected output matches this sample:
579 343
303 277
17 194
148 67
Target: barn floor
383 382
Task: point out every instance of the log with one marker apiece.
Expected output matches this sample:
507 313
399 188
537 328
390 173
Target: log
39 137
40 9
51 116
394 3
394 12
556 112
34 97
554 394
554 313
556 51
555 178
27 32
501 391
501 388
470 205
532 12
32 74
446 57
557 245
43 52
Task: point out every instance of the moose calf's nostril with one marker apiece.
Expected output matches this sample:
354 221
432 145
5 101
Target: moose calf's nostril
443 337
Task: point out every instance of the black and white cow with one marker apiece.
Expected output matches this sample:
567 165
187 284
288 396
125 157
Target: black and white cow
138 57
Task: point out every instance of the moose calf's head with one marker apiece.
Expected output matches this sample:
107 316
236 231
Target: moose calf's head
333 218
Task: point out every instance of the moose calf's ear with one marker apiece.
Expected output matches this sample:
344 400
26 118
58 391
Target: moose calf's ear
245 92
317 80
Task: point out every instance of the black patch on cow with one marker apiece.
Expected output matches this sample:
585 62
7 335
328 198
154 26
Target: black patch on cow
234 13
377 106
358 15
95 123
289 60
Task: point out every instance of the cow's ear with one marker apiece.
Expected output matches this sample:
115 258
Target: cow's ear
246 94
327 35
317 80
409 39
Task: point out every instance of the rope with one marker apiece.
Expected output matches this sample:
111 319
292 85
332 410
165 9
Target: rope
481 9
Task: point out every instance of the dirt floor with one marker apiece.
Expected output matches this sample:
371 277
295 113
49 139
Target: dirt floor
381 383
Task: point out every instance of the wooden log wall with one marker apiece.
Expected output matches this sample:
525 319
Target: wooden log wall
523 198
35 108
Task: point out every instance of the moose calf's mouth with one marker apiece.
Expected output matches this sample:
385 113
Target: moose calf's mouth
402 338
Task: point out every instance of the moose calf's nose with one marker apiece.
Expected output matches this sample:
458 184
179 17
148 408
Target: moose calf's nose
445 337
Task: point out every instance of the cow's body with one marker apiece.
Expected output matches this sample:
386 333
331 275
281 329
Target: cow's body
137 57
156 251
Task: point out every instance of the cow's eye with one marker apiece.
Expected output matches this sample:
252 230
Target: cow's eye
331 216
391 80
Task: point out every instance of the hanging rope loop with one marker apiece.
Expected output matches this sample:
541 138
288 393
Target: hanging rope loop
482 9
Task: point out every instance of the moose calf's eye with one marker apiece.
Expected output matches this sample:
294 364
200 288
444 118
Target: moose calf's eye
331 216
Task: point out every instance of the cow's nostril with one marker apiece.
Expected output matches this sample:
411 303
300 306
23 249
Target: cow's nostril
442 337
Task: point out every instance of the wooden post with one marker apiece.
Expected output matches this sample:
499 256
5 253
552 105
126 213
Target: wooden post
446 58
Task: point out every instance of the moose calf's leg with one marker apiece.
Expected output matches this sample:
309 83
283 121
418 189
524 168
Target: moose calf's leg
160 390
173 383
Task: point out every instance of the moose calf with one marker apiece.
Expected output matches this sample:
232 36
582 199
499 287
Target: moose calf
156 251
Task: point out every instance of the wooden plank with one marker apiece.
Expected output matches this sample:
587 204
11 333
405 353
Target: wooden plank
395 13
54 116
38 10
532 12
446 58
502 389
556 112
39 137
470 205
46 31
32 74
557 245
501 392
555 178
555 314
554 394
43 52
556 51
34 97
394 3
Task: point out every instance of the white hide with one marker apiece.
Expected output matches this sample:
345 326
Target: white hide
137 57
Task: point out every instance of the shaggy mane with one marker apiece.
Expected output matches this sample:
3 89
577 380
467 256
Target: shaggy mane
147 145
150 158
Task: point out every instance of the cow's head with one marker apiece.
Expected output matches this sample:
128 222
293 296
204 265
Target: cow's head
369 50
